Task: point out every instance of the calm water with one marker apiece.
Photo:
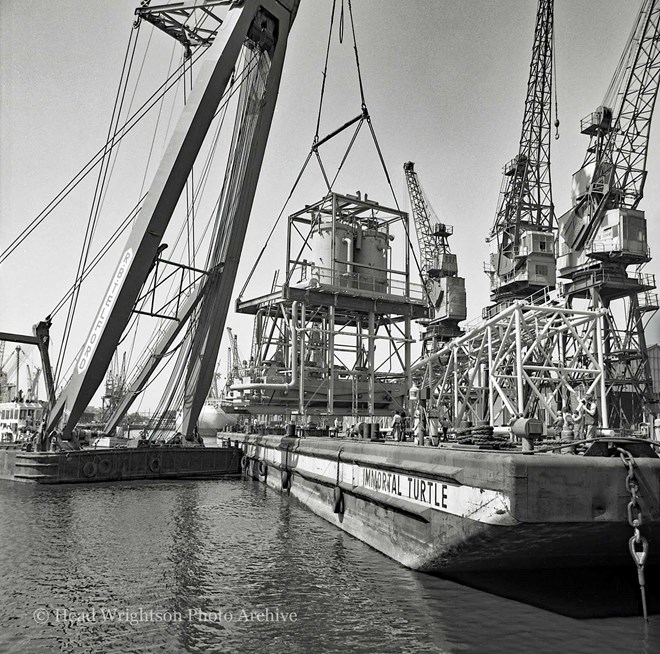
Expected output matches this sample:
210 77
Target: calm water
217 566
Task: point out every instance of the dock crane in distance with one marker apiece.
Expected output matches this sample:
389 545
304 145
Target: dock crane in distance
604 232
522 238
237 363
445 290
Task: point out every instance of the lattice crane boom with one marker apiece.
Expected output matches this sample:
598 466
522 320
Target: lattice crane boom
445 290
523 230
432 235
604 232
236 362
614 169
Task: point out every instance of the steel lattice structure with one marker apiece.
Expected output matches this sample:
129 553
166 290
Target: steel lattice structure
432 239
525 201
604 232
528 361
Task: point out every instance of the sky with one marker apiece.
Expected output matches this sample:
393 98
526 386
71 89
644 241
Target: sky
444 82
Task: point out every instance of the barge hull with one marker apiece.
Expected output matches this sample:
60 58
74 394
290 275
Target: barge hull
481 510
88 466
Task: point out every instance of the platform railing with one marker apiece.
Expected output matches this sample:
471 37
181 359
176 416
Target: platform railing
361 283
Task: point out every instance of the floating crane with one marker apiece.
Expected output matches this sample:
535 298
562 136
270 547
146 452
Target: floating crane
523 233
262 27
444 288
604 232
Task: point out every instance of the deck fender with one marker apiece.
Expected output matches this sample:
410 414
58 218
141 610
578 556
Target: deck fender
89 469
338 500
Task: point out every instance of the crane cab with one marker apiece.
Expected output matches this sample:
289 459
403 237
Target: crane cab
621 237
532 264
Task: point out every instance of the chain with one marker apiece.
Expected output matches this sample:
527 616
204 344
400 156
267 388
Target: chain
638 545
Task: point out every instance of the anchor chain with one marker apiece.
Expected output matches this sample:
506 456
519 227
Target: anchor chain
637 544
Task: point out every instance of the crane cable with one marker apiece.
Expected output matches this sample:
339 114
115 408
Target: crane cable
92 220
94 161
316 141
554 84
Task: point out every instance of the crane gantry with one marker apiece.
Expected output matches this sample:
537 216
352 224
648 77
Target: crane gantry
604 232
523 233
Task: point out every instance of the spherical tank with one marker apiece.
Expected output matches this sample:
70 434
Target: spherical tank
371 260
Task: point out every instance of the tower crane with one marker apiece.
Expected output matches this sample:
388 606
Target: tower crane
444 288
115 385
522 238
604 232
237 367
33 384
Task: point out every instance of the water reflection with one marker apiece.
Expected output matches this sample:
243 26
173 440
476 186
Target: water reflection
228 564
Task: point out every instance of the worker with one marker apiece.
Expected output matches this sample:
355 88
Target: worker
397 427
444 424
589 410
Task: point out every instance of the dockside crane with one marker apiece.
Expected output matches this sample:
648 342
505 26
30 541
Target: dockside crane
237 367
445 290
33 384
604 232
522 238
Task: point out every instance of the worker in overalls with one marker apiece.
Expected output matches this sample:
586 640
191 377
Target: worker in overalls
589 410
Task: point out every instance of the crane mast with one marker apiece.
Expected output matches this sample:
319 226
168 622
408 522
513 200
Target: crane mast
604 232
523 233
261 26
237 368
445 290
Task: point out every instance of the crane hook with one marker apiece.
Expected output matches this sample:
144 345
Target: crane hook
556 128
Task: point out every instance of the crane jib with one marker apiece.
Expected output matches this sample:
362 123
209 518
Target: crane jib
104 311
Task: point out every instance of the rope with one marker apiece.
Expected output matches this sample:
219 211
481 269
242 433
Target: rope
325 69
104 250
98 192
270 234
355 48
93 162
554 84
237 163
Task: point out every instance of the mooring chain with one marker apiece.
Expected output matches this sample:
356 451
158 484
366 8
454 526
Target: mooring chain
638 545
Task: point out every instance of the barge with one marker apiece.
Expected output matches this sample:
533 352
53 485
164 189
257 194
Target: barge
118 464
455 508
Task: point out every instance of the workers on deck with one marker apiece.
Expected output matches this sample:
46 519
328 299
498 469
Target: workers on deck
589 411
397 427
